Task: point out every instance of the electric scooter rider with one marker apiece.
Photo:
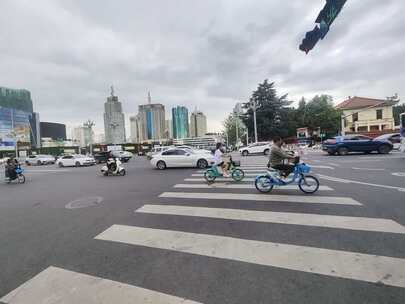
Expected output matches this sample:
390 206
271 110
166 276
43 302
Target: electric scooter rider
218 156
111 163
277 157
10 169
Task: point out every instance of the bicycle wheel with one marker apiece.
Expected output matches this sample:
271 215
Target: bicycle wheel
308 184
238 175
209 175
263 184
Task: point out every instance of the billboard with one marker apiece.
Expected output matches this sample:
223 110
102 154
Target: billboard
14 124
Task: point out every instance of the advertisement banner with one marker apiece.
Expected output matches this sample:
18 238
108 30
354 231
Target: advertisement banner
14 124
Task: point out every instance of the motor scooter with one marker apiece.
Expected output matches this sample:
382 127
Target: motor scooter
113 167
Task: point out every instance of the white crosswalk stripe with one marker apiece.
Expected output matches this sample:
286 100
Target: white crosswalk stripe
264 198
246 174
335 263
240 186
59 286
305 219
219 179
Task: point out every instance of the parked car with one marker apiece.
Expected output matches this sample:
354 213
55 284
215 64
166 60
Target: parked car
39 159
256 148
176 157
75 160
394 138
343 145
123 156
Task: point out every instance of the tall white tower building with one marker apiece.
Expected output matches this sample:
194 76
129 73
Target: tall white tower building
114 120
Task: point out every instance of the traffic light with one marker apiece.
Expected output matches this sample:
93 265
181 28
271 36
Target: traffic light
310 40
325 19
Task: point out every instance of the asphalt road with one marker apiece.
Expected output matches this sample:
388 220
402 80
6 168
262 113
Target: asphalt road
165 236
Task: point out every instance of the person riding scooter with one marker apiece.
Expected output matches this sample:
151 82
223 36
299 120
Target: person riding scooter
10 169
278 156
112 163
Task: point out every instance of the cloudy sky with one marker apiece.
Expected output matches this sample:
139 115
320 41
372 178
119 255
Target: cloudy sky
207 54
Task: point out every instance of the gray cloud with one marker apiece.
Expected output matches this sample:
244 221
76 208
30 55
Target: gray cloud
208 54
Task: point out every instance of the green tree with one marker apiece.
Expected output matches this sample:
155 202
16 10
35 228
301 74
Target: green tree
397 110
272 113
230 124
320 112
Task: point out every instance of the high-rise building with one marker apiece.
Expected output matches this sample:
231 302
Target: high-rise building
151 118
169 129
114 120
134 125
198 124
18 99
83 136
180 122
18 122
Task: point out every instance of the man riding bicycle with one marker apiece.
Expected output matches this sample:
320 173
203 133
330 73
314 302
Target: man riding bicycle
278 156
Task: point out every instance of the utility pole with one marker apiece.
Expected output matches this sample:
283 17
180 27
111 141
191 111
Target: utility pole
253 107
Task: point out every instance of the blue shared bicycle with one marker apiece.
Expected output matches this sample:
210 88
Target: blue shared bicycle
307 183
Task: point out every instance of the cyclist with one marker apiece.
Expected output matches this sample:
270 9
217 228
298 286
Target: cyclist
278 156
218 157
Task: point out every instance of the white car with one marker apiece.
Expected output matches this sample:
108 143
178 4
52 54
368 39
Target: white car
256 148
176 157
39 159
157 150
76 160
198 151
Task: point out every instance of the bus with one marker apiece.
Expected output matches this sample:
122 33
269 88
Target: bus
402 131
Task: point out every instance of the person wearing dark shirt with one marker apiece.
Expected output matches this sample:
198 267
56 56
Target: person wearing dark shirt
278 156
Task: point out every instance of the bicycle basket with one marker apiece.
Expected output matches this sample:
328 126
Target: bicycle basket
304 168
236 163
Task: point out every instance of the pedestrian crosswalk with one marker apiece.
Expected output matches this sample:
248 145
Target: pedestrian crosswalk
56 285
183 201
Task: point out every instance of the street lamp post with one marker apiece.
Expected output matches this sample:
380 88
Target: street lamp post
253 107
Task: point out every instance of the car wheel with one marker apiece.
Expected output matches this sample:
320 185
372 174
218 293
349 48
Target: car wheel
161 165
39 163
27 163
343 151
60 165
331 153
77 164
202 164
245 153
267 152
384 149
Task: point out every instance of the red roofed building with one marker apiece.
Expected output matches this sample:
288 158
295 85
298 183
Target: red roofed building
367 114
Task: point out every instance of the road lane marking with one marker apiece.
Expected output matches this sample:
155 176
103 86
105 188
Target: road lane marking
241 186
42 171
56 285
246 174
264 168
304 219
335 263
348 181
220 179
401 174
264 198
368 169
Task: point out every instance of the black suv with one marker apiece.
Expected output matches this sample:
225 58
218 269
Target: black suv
101 157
